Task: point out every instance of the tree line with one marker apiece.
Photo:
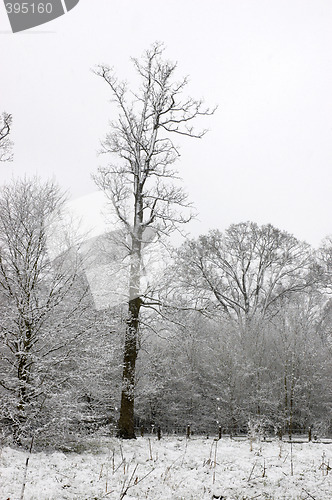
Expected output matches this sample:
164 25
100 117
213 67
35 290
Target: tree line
233 328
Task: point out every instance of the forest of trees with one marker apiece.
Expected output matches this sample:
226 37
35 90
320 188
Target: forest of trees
234 330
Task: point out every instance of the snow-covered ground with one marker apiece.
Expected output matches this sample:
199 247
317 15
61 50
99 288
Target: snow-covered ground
171 469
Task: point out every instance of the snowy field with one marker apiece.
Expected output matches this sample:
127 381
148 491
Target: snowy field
171 469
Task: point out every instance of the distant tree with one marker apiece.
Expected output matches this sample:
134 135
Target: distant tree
5 142
325 261
245 271
268 363
36 322
140 181
265 284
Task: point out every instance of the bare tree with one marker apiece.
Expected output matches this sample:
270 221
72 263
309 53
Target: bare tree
34 317
325 263
246 270
140 179
5 142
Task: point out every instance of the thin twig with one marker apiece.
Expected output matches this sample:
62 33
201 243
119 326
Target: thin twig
150 448
252 470
307 492
215 462
291 457
185 451
124 491
26 469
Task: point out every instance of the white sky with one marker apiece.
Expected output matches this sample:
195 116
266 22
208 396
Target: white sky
267 63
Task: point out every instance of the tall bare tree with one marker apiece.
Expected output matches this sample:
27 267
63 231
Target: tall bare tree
140 180
5 142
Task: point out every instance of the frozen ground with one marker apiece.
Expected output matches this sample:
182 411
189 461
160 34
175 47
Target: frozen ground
172 469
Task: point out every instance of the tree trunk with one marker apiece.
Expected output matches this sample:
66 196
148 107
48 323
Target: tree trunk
24 396
126 427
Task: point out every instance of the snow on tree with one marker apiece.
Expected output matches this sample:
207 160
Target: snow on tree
140 181
40 302
6 144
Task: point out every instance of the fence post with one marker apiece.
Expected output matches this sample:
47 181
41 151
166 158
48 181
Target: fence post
219 432
188 431
159 433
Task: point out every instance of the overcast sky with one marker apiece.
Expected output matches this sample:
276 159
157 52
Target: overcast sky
266 63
